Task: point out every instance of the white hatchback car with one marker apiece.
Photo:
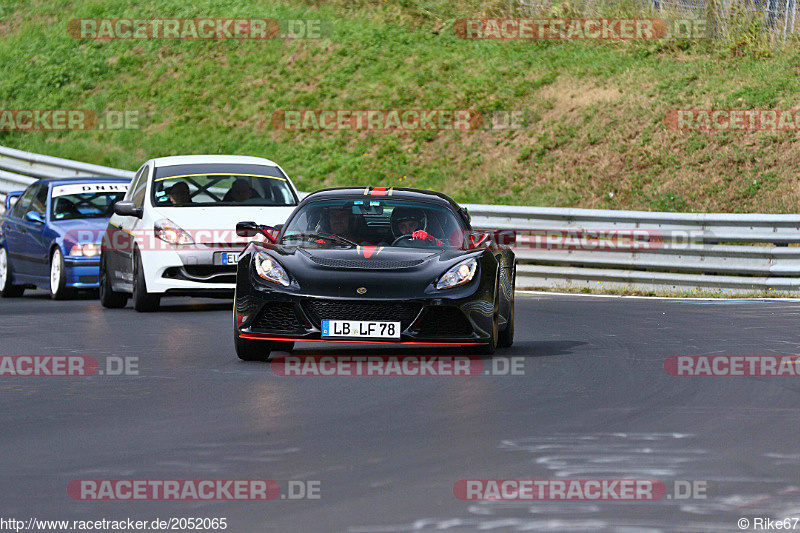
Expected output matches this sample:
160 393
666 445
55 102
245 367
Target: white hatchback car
174 233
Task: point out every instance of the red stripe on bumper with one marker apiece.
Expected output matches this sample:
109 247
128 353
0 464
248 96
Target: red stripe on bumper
268 338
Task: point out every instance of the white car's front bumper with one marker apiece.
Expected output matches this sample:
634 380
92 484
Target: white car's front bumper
189 269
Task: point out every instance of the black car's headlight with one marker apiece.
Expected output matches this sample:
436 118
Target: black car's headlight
270 270
459 274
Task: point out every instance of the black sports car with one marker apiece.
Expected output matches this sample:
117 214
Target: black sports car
377 265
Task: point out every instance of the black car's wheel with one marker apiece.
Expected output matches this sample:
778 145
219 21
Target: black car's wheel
491 346
248 349
58 276
506 337
7 290
142 301
109 298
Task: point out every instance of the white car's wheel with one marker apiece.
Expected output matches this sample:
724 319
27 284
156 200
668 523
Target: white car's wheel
143 301
58 277
109 298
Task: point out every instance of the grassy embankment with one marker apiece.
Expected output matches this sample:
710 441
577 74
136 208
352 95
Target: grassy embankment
597 136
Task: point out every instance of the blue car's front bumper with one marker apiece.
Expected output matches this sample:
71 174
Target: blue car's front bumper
82 272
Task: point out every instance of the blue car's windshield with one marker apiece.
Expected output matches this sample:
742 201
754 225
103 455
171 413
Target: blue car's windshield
85 200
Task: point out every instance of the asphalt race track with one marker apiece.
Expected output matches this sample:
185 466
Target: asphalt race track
595 402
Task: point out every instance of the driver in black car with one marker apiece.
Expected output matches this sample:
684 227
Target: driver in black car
339 222
412 221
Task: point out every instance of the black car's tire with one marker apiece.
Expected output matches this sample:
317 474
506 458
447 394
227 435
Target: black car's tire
248 349
58 276
506 337
109 298
7 290
142 301
491 346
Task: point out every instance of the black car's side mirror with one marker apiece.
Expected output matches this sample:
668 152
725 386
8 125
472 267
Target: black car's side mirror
251 229
127 209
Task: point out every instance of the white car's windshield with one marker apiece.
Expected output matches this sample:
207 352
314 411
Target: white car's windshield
400 223
221 185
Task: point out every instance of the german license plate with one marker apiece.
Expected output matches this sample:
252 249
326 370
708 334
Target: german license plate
360 328
229 258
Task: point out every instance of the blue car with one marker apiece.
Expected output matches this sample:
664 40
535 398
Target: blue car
51 234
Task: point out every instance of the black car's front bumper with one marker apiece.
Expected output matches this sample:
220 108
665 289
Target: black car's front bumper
462 316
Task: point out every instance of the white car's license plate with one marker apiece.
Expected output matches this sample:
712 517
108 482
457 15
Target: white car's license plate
360 328
229 258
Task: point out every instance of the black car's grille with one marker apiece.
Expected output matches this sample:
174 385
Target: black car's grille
277 317
444 322
318 310
366 264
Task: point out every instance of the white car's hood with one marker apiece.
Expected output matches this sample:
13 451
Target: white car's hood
222 218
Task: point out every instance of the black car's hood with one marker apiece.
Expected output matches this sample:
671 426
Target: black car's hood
385 272
369 257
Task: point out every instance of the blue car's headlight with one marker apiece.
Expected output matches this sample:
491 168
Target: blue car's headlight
459 274
84 250
270 270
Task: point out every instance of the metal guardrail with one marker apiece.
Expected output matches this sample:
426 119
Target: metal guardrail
18 169
680 251
728 253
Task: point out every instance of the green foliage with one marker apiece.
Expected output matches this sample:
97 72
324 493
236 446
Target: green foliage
595 109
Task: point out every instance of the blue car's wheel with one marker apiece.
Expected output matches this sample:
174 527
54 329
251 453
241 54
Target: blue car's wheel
7 290
58 276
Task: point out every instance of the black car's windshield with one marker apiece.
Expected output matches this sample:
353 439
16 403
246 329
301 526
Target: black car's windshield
362 222
85 200
221 185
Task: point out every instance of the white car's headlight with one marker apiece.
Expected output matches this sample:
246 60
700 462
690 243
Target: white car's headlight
459 274
170 232
270 270
84 250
